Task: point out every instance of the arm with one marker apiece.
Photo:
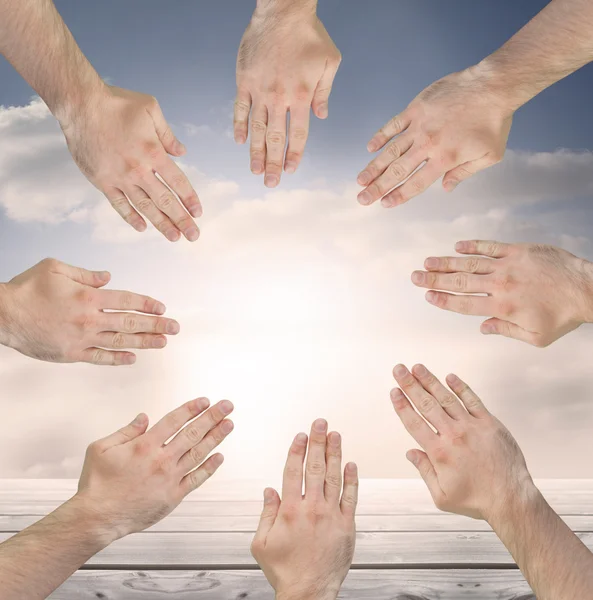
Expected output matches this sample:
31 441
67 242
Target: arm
287 62
536 293
56 313
472 466
119 139
124 488
461 123
305 543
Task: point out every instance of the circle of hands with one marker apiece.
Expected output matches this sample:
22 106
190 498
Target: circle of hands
469 461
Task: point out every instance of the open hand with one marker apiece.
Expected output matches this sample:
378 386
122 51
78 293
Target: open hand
305 543
120 141
56 313
535 293
456 126
287 63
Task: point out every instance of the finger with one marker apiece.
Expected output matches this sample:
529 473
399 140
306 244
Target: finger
298 132
424 402
96 279
322 93
195 433
470 400
452 282
176 179
241 115
315 468
259 126
197 455
136 323
484 248
169 205
147 207
350 494
395 150
192 481
268 515
98 356
421 461
124 209
462 172
171 423
464 305
443 396
397 172
395 126
419 182
333 474
140 341
126 434
292 482
121 300
170 143
474 264
496 326
275 146
415 425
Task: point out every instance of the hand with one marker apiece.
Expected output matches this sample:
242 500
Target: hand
120 141
305 543
472 464
456 125
55 312
134 478
535 293
287 62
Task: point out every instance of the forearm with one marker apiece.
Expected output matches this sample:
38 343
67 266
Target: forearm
269 8
555 563
554 44
37 42
4 315
585 292
40 558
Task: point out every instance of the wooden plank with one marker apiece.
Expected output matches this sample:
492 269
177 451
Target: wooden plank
364 523
230 550
223 585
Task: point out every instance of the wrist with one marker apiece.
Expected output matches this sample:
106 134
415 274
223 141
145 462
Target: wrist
584 300
285 8
516 506
307 594
80 102
5 335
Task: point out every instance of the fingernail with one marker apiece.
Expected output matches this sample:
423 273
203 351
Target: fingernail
227 426
351 468
400 370
129 359
159 342
334 438
139 420
487 329
451 185
240 138
268 495
418 277
420 370
172 235
387 202
301 439
323 110
320 425
459 246
160 308
104 276
226 406
372 146
202 403
257 167
271 181
290 167
364 198
431 263
192 234
140 226
364 178
412 458
452 378
431 297
173 327
196 211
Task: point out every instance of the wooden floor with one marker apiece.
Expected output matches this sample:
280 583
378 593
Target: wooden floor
406 549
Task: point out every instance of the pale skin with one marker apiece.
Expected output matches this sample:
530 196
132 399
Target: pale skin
460 124
473 466
533 293
119 139
59 313
286 65
305 542
130 480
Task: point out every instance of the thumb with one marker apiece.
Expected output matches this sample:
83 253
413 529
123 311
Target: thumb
170 143
462 172
126 434
96 279
496 326
421 461
269 513
324 88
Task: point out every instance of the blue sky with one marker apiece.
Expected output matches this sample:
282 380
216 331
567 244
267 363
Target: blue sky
184 53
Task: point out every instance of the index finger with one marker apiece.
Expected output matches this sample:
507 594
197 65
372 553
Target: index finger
241 115
393 127
315 468
177 180
415 425
121 300
298 132
171 423
292 482
484 248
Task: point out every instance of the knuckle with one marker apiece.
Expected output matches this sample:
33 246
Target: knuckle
460 281
492 248
275 138
299 134
395 123
416 423
292 473
166 201
333 480
258 127
396 171
441 455
193 434
472 264
197 455
127 300
505 282
153 150
506 309
118 340
49 263
394 151
315 468
466 305
144 204
426 403
130 324
416 185
85 296
448 400
95 448
98 356
459 438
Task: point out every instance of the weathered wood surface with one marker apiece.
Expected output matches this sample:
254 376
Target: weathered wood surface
406 548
